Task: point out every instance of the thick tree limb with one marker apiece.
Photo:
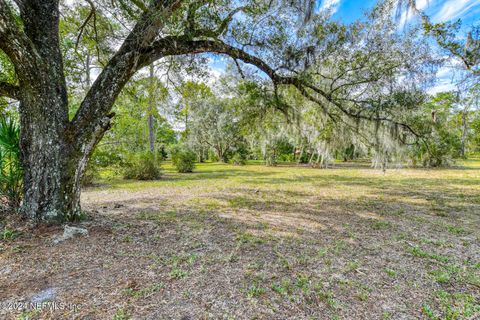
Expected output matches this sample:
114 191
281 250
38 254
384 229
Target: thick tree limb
180 45
9 90
13 40
19 3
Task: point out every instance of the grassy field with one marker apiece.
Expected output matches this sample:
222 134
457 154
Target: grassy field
255 242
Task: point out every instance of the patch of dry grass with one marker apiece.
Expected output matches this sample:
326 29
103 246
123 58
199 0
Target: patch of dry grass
257 242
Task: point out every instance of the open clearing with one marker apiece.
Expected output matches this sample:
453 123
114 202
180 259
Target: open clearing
257 242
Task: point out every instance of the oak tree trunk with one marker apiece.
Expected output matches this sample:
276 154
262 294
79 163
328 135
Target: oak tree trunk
49 167
49 180
53 159
53 164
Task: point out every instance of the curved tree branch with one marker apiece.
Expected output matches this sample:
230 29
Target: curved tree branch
13 40
92 14
181 45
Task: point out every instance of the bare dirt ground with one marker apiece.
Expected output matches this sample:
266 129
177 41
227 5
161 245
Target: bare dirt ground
254 242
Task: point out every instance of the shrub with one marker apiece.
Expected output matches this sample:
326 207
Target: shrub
143 166
104 157
287 157
238 160
439 150
99 159
11 171
183 158
212 156
91 173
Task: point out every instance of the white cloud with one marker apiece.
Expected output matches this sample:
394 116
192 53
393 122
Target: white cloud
422 4
330 5
214 75
453 9
444 73
409 14
442 87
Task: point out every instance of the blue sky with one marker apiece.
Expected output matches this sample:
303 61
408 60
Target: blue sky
468 11
438 10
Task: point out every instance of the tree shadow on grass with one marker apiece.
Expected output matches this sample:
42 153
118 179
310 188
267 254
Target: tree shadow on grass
258 234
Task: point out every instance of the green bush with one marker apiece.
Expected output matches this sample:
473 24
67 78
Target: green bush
11 171
91 174
143 166
439 149
183 158
287 157
212 156
104 157
270 160
238 160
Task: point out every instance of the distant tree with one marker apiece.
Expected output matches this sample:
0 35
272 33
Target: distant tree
214 124
138 120
441 130
465 51
464 48
190 93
